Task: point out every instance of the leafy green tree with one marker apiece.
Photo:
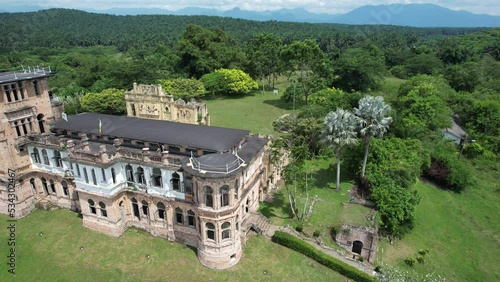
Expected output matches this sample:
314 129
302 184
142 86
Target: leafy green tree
463 77
422 64
332 98
229 81
396 208
372 113
305 62
110 101
422 111
184 88
339 131
72 104
359 70
202 51
451 52
263 57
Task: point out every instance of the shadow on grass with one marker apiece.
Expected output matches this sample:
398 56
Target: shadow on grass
213 97
268 208
326 178
278 103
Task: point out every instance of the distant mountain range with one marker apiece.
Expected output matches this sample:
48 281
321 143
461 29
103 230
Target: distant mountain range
417 15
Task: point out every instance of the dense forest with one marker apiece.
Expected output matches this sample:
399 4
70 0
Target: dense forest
444 72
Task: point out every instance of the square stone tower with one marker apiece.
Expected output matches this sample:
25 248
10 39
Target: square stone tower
27 107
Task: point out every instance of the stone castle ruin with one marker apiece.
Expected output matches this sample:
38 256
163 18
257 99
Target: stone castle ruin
149 101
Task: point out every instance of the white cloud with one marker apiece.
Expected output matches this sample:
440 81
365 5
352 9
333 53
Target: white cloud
321 6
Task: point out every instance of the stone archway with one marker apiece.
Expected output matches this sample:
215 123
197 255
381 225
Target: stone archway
357 247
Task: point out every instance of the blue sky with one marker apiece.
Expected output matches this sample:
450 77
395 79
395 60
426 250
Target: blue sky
325 6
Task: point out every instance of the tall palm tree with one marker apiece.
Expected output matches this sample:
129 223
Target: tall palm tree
373 122
339 131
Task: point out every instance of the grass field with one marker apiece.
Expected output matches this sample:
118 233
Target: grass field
331 210
254 112
56 256
460 230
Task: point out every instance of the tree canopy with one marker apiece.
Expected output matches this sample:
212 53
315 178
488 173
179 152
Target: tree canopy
229 81
109 101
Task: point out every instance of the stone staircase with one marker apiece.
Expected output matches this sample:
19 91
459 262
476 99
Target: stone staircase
260 224
45 204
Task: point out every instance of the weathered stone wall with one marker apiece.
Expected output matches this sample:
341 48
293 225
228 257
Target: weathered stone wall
367 235
149 101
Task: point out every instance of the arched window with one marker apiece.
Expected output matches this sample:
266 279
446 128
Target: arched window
140 175
39 117
36 156
92 206
175 181
161 210
64 185
103 172
85 175
18 130
179 217
130 173
25 129
135 208
237 222
210 231
224 196
102 206
113 175
145 209
94 178
78 170
35 85
157 180
32 184
52 186
57 158
236 188
7 93
191 219
209 198
226 230
45 187
45 156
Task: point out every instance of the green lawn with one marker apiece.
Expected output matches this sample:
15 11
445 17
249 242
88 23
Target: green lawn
254 112
56 256
460 230
332 210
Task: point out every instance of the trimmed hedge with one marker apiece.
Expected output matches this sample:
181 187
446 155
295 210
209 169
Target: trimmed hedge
300 246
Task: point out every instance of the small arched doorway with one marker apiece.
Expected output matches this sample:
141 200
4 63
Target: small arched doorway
135 208
39 117
122 211
357 247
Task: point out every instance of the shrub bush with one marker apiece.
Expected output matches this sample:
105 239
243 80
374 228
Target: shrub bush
447 171
316 233
299 228
410 261
300 246
423 252
421 259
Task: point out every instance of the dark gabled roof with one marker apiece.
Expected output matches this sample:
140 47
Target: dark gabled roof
19 76
155 131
